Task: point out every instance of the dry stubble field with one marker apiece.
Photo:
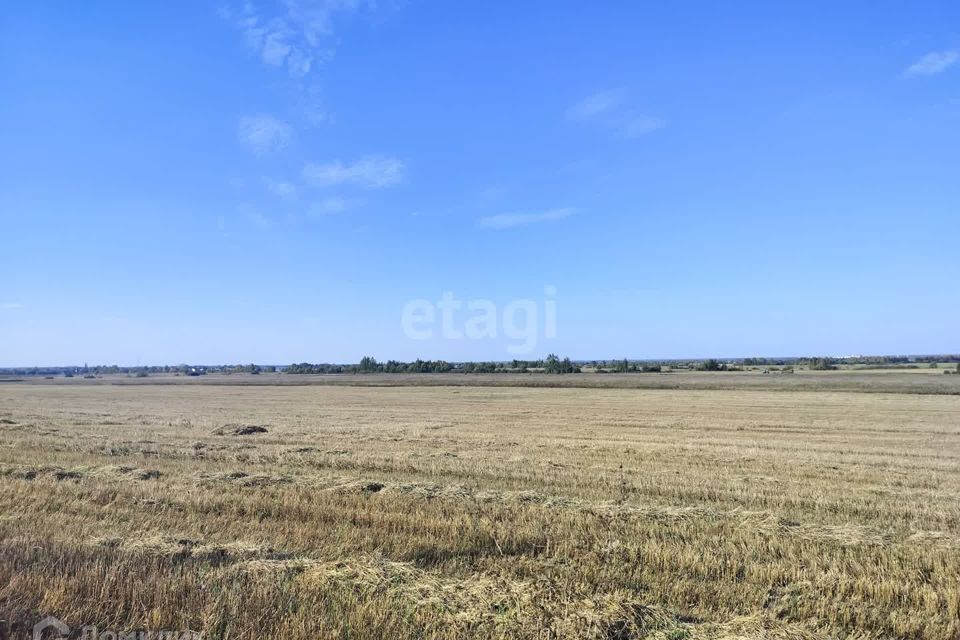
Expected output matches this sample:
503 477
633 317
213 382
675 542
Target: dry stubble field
478 512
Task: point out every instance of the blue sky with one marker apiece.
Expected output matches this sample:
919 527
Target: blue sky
276 182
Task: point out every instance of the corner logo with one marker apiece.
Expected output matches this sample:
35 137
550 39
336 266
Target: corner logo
59 629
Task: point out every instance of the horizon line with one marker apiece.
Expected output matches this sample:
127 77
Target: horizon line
950 357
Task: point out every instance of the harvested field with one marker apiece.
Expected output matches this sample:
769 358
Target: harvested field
915 381
327 510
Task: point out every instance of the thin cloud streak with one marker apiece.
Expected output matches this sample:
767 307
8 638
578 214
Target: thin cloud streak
371 172
638 126
933 63
332 206
609 109
595 105
511 220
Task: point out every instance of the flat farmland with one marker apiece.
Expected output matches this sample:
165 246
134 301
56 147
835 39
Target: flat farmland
461 511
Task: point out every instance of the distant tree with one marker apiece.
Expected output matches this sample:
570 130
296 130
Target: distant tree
821 364
553 364
710 365
367 365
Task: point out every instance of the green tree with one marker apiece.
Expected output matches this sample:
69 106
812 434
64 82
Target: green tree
710 365
367 365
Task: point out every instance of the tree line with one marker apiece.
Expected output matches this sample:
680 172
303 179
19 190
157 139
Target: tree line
369 364
551 364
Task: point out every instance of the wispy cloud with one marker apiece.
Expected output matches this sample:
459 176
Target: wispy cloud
372 172
259 220
598 104
609 109
933 63
280 188
264 133
297 36
493 192
254 217
294 36
509 220
636 126
332 206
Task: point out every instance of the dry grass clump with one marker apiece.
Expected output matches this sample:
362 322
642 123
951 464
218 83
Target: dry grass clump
476 605
241 478
481 512
486 605
239 430
166 546
54 472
